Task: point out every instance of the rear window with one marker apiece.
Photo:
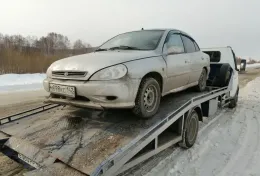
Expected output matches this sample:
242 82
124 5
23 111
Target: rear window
214 55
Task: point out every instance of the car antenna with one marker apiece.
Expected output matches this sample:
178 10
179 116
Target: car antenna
142 28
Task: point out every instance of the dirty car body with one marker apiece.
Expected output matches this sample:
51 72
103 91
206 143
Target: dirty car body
111 76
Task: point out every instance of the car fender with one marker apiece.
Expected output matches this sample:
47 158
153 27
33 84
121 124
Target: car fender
137 69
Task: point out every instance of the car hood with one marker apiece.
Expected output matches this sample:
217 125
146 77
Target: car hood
95 61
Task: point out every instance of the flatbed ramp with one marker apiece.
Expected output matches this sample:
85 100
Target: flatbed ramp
94 142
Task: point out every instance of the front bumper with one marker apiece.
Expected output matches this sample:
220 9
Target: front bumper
97 93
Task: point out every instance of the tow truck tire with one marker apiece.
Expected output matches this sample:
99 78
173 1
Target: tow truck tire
202 81
191 128
148 98
223 77
233 101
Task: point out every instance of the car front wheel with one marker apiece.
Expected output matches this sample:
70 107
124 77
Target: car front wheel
148 98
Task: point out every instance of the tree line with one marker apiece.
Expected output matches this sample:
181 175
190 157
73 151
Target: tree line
19 54
47 44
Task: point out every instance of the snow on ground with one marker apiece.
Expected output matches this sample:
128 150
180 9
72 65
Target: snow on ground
21 82
228 145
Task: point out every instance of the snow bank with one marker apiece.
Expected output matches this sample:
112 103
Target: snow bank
19 82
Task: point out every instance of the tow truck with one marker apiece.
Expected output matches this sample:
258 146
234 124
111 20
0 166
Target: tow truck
60 140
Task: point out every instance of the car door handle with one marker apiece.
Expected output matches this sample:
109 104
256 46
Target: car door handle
202 58
187 61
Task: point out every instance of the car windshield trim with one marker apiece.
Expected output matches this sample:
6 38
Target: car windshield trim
155 46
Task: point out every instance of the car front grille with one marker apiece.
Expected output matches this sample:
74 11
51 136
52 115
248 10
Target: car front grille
69 74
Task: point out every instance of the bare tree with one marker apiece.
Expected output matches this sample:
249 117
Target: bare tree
78 44
1 38
88 45
57 41
31 41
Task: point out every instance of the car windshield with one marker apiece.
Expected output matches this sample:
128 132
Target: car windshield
138 40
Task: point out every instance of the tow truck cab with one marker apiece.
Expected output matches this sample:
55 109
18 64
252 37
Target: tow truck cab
223 56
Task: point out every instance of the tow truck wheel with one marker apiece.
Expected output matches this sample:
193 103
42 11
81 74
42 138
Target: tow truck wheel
202 81
233 101
148 98
191 128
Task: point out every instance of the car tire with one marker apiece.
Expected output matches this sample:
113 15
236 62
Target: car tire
148 98
234 100
202 81
190 131
224 75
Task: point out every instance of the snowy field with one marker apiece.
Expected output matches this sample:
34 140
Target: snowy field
21 82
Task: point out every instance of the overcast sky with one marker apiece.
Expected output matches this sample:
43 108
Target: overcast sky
211 23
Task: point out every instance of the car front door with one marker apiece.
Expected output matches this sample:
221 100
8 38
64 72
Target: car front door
195 59
177 62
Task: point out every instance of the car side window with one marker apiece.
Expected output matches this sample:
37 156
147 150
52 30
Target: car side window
196 46
174 44
188 44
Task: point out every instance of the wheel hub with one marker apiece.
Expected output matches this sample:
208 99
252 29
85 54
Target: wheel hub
150 98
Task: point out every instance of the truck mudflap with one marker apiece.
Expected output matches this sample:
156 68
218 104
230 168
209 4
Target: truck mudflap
86 140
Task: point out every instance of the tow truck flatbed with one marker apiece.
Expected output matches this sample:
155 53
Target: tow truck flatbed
101 143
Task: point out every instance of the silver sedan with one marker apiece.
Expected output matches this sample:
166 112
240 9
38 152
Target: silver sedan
131 70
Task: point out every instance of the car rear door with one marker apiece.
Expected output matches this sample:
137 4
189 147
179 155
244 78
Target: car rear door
177 62
195 58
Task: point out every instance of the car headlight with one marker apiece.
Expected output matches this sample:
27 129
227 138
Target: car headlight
114 72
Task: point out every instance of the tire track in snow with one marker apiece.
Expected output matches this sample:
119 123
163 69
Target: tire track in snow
235 158
251 162
212 161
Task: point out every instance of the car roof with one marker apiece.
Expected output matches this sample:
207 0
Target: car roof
216 48
166 30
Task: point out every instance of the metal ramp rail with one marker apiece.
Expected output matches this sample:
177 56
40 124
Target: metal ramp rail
27 113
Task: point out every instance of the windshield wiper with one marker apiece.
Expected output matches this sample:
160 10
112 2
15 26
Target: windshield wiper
124 48
100 49
118 47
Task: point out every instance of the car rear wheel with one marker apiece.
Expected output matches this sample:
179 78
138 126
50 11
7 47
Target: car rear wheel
148 98
202 81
